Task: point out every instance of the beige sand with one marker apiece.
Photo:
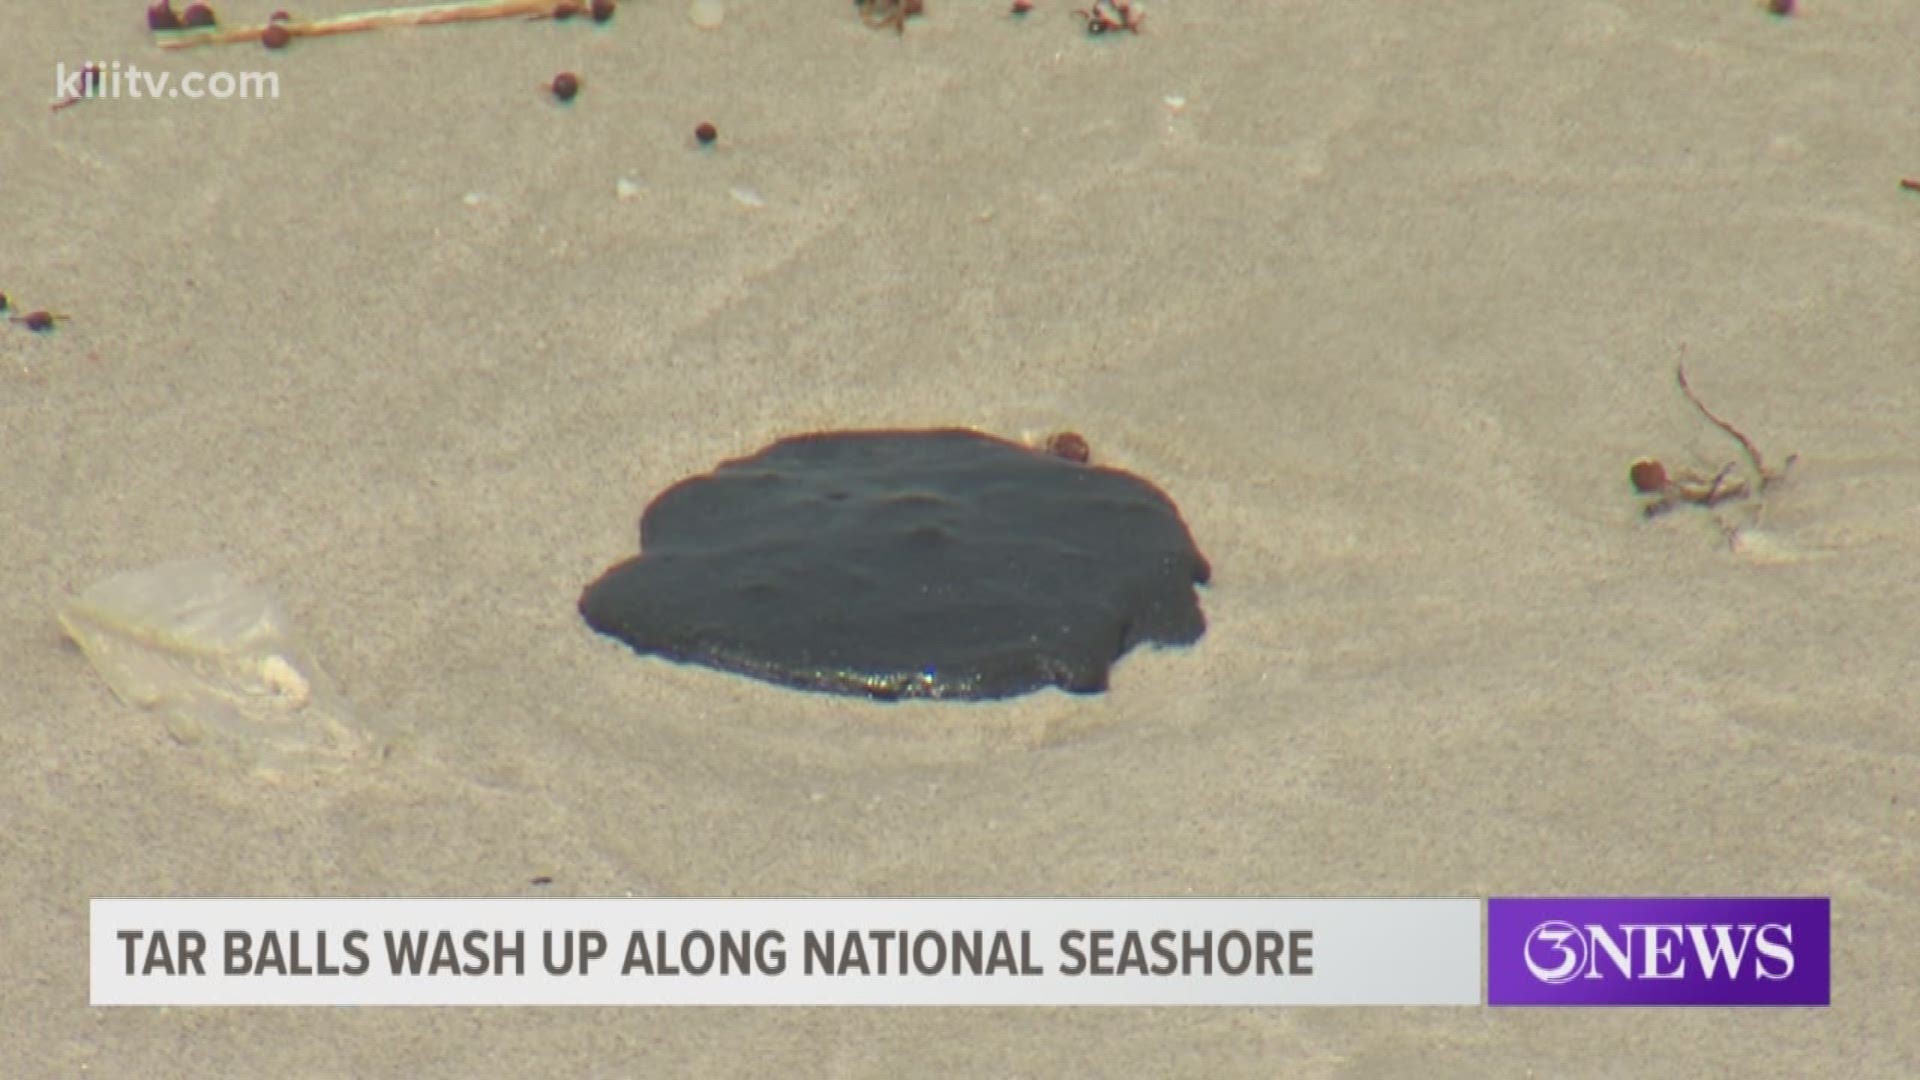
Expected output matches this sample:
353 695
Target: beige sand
1388 306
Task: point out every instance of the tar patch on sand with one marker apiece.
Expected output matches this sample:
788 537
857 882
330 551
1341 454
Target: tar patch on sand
906 564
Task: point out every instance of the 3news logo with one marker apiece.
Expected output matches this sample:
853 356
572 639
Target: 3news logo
1659 951
1559 952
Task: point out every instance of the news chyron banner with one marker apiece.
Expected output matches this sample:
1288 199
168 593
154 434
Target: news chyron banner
808 952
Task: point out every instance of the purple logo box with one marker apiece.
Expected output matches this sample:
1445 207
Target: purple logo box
1659 951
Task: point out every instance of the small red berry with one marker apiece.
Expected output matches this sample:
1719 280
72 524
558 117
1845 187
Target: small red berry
1648 476
1070 445
161 16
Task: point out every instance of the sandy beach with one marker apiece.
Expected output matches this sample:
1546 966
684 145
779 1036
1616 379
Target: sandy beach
1387 297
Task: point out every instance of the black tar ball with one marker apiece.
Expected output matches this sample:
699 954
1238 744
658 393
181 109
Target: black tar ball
565 85
906 564
706 133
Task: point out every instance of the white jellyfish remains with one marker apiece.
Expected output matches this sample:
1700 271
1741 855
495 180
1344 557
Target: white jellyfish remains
214 659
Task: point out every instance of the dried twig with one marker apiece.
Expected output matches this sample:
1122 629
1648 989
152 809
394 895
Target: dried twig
1685 487
881 14
1753 452
426 15
37 321
1108 15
